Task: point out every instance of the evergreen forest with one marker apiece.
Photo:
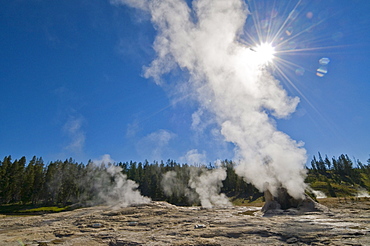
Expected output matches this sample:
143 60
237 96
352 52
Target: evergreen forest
62 183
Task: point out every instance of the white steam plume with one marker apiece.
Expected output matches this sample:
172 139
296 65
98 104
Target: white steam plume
226 80
317 193
362 192
207 185
174 184
203 186
113 186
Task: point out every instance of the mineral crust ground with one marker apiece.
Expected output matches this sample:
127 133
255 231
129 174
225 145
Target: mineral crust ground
346 223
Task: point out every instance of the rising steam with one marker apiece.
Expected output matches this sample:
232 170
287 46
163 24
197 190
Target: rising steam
207 185
199 185
226 80
112 186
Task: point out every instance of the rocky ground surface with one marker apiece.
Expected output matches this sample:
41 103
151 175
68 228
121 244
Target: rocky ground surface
159 223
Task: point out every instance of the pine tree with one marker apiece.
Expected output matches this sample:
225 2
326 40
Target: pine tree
52 182
15 174
38 188
5 195
29 178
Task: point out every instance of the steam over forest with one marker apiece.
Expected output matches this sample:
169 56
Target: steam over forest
61 183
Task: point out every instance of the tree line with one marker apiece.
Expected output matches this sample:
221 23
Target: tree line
67 182
340 176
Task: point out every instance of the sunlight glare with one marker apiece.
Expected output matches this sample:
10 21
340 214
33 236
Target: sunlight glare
265 53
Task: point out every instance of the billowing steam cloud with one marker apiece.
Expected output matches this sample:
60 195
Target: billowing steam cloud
173 184
112 186
207 185
227 81
202 186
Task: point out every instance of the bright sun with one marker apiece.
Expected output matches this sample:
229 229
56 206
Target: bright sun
264 53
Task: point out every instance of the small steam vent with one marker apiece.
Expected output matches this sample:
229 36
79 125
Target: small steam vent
283 201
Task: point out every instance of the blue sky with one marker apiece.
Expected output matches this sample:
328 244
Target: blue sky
73 85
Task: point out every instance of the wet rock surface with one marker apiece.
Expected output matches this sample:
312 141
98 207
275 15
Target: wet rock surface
160 223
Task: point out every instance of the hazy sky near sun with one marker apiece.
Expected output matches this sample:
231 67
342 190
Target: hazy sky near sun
72 82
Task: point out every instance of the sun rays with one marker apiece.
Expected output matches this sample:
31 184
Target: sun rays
284 36
264 53
298 34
